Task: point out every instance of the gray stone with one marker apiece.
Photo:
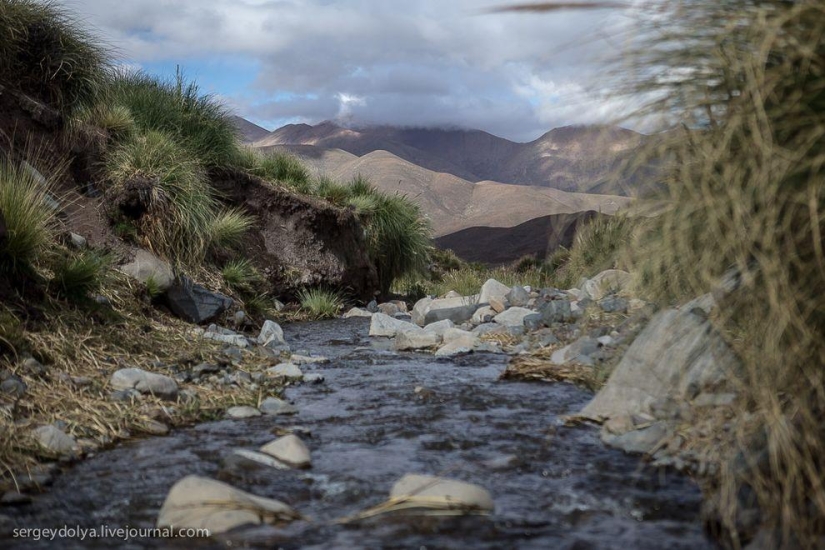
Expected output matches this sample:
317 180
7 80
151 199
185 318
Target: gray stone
194 303
34 367
243 459
439 328
545 338
485 328
533 322
606 282
231 339
453 349
197 502
424 311
13 385
637 441
54 440
124 395
438 492
290 450
314 378
613 304
77 241
518 296
205 368
296 359
145 382
679 354
285 370
577 351
452 294
372 307
493 289
271 335
357 312
384 325
275 407
241 412
556 311
389 309
416 339
146 266
458 314
513 317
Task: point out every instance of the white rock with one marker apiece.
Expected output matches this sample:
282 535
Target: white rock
243 458
453 349
458 310
384 325
357 312
53 439
290 450
285 370
415 339
420 309
146 266
144 382
439 327
272 335
274 407
231 339
465 338
452 294
308 360
606 282
197 502
238 413
493 289
513 317
423 489
313 378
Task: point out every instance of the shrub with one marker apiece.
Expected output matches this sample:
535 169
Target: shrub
27 215
178 109
45 53
320 303
159 185
78 275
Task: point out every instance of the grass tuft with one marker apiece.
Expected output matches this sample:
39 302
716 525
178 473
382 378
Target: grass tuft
320 303
229 227
77 276
26 215
241 275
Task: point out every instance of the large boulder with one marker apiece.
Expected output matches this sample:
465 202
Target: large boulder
194 303
299 241
416 339
458 310
493 289
384 325
145 267
197 502
678 355
513 317
145 382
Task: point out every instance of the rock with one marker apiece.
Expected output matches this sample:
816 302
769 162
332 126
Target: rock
357 312
606 282
290 450
275 407
444 493
544 338
576 351
54 440
513 317
124 395
245 460
194 303
271 335
452 294
285 370
372 307
77 241
153 427
205 368
146 266
637 441
518 296
231 339
240 319
533 322
492 289
613 304
389 309
574 294
420 309
314 378
402 305
197 502
307 360
485 328
458 310
384 325
483 315
439 328
241 412
453 349
415 339
556 311
499 305
465 338
678 355
13 385
33 367
145 382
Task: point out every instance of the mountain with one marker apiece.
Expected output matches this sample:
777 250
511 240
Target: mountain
452 203
499 245
248 132
573 158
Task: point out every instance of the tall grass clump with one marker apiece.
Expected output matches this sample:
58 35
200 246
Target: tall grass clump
177 108
157 184
78 275
26 215
746 84
320 303
275 166
46 53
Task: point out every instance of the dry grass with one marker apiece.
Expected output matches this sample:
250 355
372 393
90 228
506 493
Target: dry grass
77 343
535 368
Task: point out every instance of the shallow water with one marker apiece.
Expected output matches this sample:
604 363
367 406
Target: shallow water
554 487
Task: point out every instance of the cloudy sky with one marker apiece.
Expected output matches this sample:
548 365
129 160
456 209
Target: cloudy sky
403 62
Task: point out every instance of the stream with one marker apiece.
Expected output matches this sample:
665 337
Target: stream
380 415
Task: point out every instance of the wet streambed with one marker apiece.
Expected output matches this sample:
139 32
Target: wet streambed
378 416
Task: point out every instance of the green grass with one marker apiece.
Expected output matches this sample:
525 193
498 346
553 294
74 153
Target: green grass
29 220
241 275
46 53
319 303
275 166
177 108
78 275
228 228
